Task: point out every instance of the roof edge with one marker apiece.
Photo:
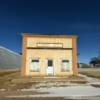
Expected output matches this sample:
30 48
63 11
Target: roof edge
24 34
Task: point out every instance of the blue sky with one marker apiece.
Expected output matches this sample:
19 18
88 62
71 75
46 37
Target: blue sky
80 17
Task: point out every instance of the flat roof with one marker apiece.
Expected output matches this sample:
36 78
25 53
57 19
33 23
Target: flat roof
50 35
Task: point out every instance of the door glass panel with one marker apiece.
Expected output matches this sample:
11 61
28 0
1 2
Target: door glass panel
50 63
49 67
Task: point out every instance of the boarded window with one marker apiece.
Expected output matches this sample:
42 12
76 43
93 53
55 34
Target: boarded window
65 66
34 65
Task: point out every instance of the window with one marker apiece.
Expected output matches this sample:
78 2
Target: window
50 63
34 65
65 60
65 66
35 60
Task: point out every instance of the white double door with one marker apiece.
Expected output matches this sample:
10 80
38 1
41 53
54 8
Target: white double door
50 67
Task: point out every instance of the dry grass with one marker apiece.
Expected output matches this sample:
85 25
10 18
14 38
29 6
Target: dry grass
36 98
11 80
92 72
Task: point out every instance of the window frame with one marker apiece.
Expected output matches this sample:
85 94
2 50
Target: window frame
67 69
35 60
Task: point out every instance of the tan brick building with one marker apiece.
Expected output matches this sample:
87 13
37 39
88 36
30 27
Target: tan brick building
44 55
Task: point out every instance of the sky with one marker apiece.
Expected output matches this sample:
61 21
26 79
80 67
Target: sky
79 17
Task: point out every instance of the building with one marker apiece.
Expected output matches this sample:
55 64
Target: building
49 55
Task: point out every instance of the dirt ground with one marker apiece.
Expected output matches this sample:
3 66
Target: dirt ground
11 83
36 98
11 80
53 98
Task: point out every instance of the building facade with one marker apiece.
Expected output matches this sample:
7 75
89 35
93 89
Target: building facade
49 55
